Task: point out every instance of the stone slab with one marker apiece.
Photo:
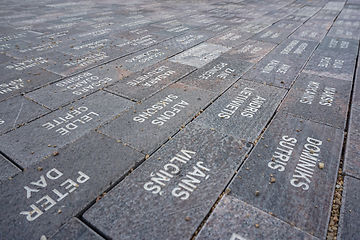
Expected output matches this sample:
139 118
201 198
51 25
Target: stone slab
29 144
230 38
17 111
331 64
20 35
147 82
176 30
242 111
195 167
296 18
350 214
338 44
296 48
75 229
309 34
272 35
275 70
347 24
216 28
344 33
187 40
217 75
352 160
143 59
235 220
252 27
200 55
5 59
47 195
148 125
300 193
320 99
251 50
7 170
70 89
15 83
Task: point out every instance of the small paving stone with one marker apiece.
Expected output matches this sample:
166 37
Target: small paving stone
42 201
75 229
320 99
150 124
60 127
18 111
349 215
234 219
300 185
243 110
193 170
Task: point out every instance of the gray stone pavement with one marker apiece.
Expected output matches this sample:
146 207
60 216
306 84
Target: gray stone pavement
139 119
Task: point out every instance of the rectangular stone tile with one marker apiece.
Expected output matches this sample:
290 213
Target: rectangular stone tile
251 50
138 32
19 35
331 64
31 143
17 111
176 30
231 38
217 75
70 89
58 35
275 70
272 35
47 195
75 229
7 170
235 220
347 24
296 18
284 169
143 59
172 192
252 27
352 160
309 34
349 215
296 48
200 55
340 45
242 111
217 28
345 33
320 99
147 82
318 24
149 124
187 40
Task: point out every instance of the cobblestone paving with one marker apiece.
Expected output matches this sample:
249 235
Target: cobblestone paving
139 119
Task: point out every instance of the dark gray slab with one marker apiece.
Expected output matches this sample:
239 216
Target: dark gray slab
7 170
29 144
66 91
272 35
331 64
352 160
177 30
145 58
275 70
187 40
216 28
20 35
4 58
294 17
15 83
251 50
301 188
252 27
17 111
58 35
230 38
345 33
218 75
235 220
347 24
149 124
47 195
309 34
296 48
349 215
200 55
242 111
338 44
147 82
320 99
75 229
170 194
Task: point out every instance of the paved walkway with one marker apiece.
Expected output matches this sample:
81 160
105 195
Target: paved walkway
179 119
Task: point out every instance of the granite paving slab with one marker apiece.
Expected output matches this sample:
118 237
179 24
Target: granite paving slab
48 194
282 175
171 193
7 170
29 144
340 45
233 219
